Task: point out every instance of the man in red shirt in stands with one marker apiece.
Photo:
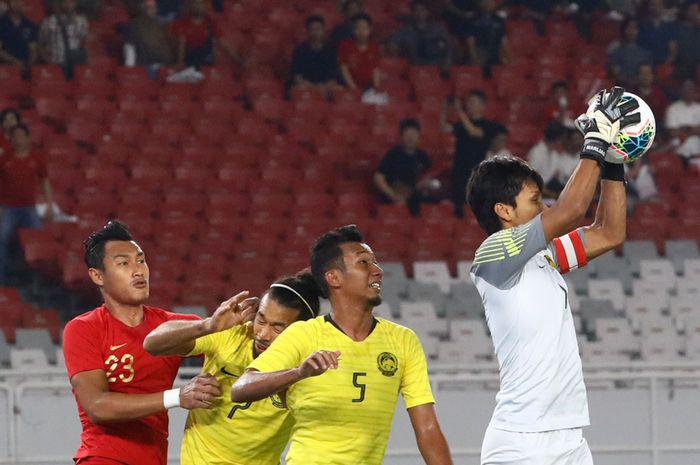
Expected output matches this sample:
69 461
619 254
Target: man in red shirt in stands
123 392
21 171
197 35
360 57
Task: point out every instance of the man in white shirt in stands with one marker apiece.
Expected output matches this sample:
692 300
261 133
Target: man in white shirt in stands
683 120
541 406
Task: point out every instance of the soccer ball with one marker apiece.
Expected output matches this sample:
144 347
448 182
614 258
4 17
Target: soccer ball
634 140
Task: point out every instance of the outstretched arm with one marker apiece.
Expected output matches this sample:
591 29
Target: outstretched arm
610 226
599 132
178 337
255 385
431 442
103 406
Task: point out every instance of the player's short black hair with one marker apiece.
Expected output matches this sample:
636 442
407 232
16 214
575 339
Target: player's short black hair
497 180
408 123
20 127
361 17
477 93
326 253
10 111
95 243
554 131
303 283
315 19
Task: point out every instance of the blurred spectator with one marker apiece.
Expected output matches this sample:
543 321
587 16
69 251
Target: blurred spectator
658 35
399 171
422 40
688 37
498 144
473 136
9 118
359 57
683 121
168 10
344 30
544 158
650 92
459 14
641 185
62 37
21 170
18 37
559 108
197 35
148 41
487 43
625 58
313 61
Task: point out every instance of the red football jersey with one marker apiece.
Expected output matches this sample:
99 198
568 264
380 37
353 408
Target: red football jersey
360 63
196 33
19 178
98 341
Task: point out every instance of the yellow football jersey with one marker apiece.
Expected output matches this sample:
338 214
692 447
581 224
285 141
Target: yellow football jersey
344 416
234 433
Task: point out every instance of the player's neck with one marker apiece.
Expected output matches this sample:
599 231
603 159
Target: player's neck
356 321
130 315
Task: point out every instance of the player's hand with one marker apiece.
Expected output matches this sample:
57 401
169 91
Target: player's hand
603 125
232 312
318 363
201 392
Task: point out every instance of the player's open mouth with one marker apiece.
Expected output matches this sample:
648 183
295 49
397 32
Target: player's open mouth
260 347
140 284
377 286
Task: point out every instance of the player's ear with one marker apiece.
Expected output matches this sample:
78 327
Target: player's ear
333 278
503 211
96 276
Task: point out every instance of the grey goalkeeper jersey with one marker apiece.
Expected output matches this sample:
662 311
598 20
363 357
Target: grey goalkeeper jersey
528 314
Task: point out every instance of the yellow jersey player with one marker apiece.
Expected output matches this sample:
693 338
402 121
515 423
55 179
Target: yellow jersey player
344 416
238 433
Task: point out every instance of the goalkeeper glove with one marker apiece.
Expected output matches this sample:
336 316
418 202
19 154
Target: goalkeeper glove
601 127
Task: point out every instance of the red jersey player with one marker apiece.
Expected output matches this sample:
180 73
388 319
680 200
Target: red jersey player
122 392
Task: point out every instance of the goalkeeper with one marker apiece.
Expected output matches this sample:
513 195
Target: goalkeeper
541 406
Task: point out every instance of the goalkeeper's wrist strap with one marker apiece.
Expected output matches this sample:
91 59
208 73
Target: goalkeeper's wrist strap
613 171
171 398
594 149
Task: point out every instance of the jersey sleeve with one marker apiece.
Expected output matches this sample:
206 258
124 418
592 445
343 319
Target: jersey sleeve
211 343
79 348
415 384
288 350
502 257
569 251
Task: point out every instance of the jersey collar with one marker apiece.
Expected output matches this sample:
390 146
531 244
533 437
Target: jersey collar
330 320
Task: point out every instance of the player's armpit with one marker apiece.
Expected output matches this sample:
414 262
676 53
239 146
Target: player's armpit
102 406
431 442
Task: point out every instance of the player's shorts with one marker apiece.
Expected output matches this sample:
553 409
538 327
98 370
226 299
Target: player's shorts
560 447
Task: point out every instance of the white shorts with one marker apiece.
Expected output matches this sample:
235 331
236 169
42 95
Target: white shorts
560 447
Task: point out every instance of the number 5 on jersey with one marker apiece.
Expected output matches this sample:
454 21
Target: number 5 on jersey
357 384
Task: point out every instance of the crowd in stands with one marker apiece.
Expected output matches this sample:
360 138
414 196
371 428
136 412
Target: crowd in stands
491 77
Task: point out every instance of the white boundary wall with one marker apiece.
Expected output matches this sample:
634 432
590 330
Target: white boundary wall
641 414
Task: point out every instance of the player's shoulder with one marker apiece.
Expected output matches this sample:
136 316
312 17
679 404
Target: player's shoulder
396 330
504 243
94 317
166 315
